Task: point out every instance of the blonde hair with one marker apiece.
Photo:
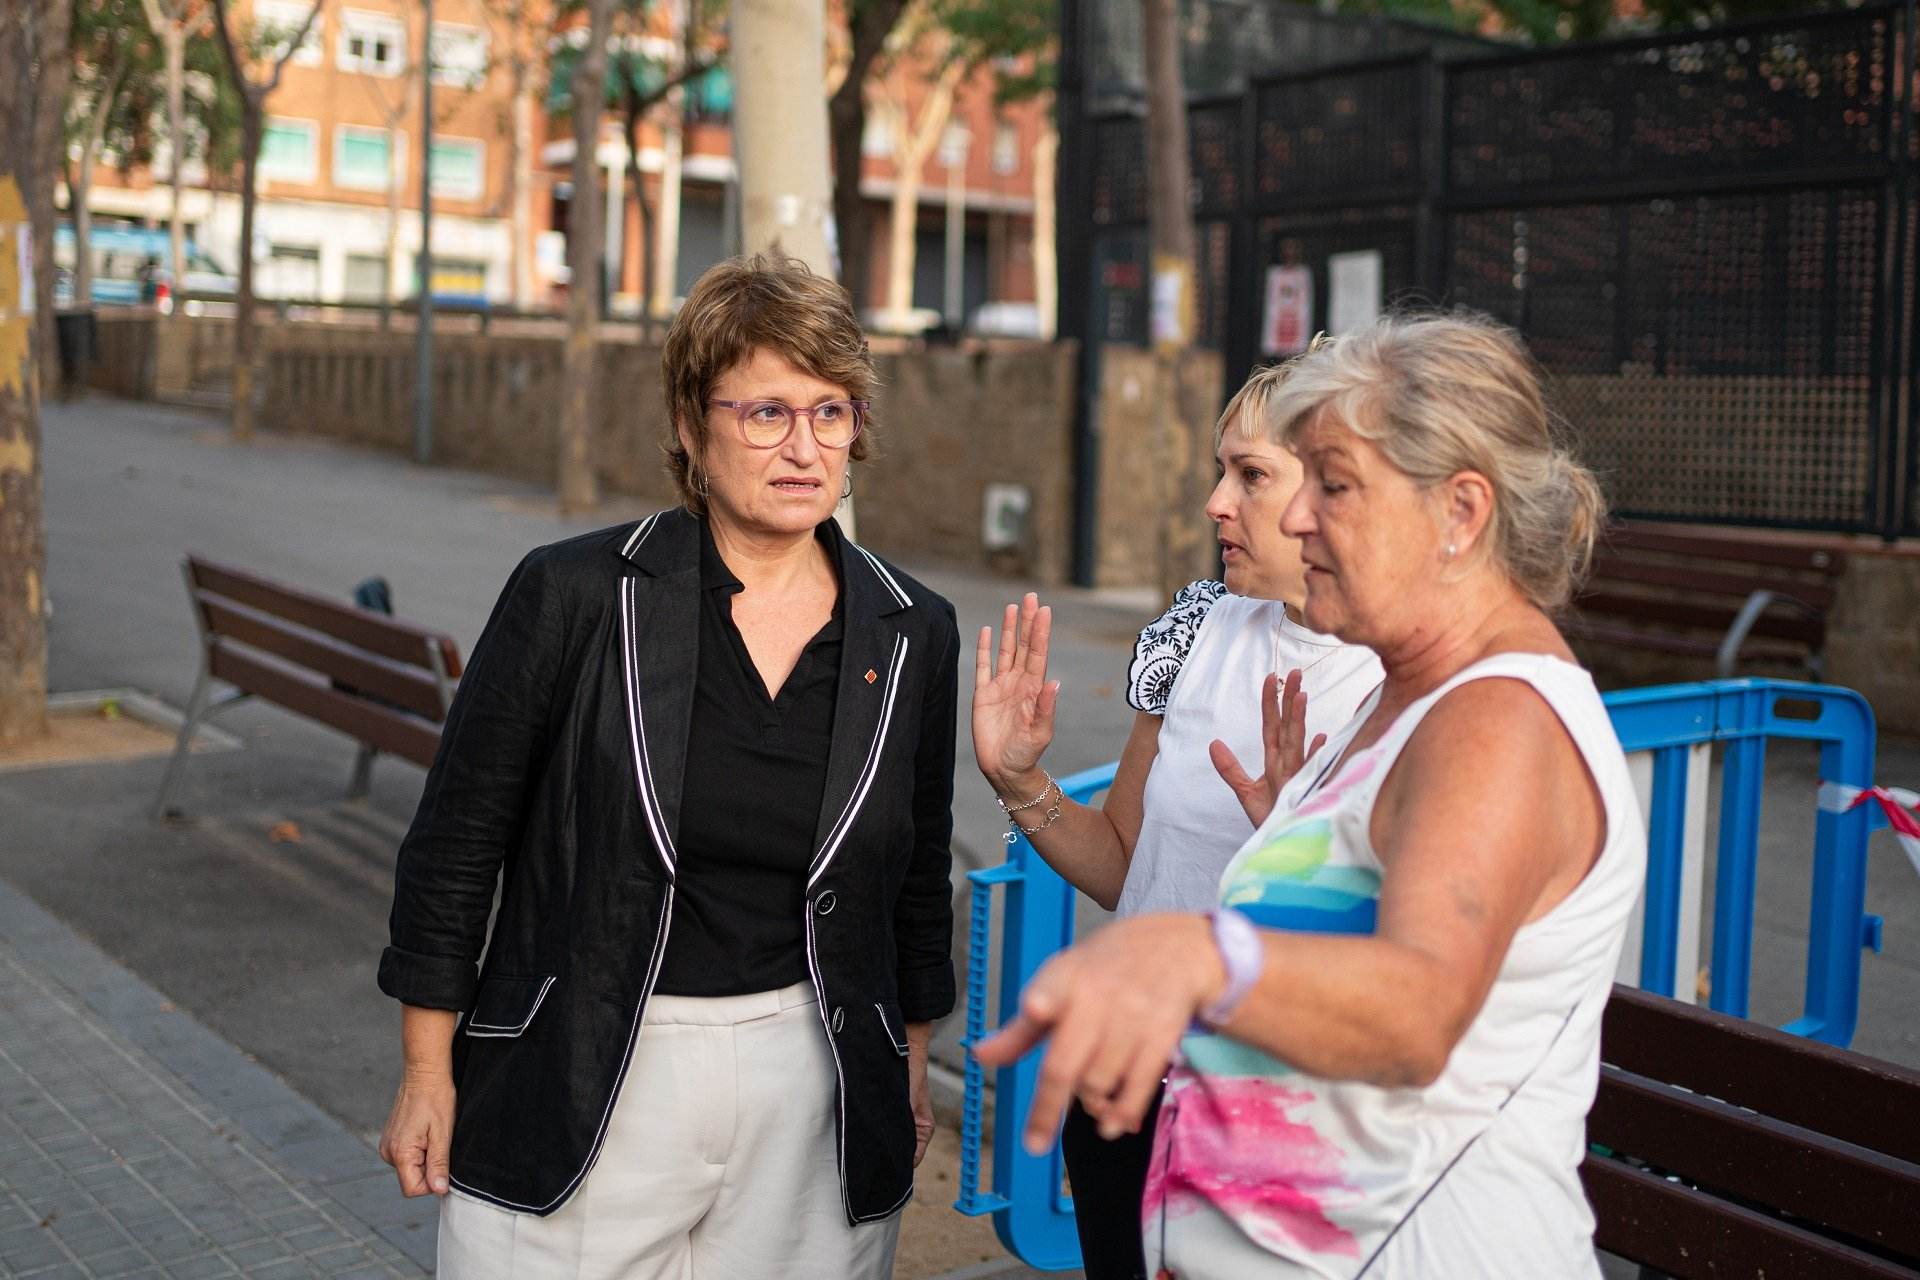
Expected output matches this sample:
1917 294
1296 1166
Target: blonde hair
762 301
1442 394
1249 405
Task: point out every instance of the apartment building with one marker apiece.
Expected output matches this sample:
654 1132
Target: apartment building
339 173
342 141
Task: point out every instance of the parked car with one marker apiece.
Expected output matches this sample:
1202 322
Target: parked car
131 265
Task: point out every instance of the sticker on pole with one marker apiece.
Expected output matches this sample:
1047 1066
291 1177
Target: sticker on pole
1286 325
25 241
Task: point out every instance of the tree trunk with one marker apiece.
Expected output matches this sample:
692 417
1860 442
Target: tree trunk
636 244
1170 233
903 230
912 146
252 122
175 39
23 553
847 113
869 22
390 253
49 149
80 191
780 136
666 219
1046 266
577 484
521 176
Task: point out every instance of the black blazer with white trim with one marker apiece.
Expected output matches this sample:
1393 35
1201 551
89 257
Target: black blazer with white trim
558 778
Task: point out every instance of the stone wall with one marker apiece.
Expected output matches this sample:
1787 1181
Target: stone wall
950 422
1154 475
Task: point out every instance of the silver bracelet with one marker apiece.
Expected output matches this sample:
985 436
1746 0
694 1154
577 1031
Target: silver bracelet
1053 814
1016 808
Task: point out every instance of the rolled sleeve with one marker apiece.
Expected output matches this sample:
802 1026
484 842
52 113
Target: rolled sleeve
473 806
923 916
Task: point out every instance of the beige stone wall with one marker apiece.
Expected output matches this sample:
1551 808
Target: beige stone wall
951 422
1873 637
1155 473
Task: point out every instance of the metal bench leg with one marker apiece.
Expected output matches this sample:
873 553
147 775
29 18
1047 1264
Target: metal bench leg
362 780
196 711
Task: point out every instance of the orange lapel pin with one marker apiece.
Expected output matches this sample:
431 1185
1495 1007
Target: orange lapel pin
872 675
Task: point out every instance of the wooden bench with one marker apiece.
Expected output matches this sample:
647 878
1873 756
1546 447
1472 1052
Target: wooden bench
384 682
1726 1148
1724 597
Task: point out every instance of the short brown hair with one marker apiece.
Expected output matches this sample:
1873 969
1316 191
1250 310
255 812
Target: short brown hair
765 301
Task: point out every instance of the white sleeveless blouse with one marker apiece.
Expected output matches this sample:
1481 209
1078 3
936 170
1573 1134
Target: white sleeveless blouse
1263 1171
1200 668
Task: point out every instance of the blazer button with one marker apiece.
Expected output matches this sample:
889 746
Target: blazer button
839 1018
824 903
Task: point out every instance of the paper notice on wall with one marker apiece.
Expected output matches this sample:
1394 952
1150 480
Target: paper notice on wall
1286 324
1355 288
25 241
1172 314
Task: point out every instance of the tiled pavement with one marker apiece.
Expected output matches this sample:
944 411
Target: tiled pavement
134 1142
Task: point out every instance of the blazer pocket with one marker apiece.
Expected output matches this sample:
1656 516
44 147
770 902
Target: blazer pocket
896 1025
506 1004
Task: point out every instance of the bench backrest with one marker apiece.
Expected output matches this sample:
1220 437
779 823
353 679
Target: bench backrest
1701 580
375 678
1786 1156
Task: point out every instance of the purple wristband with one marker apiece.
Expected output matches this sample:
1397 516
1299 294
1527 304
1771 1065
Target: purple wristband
1243 957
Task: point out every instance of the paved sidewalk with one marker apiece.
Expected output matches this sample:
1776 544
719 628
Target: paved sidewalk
134 1142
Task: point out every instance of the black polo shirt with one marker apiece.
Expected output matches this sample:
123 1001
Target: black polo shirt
756 774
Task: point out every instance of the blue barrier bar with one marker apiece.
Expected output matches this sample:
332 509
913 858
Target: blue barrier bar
1033 1214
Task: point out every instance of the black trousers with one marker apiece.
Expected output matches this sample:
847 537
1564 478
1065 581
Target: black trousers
1108 1181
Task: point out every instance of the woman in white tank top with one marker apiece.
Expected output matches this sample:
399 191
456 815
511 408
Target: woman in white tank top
1408 1100
1199 677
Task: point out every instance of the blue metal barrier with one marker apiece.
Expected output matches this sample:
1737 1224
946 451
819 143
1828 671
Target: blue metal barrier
1033 1214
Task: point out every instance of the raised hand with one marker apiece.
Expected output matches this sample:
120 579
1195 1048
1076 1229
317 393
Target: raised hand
1013 701
1284 747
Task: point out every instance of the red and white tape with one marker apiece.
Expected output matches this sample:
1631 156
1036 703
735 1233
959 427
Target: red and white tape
1897 803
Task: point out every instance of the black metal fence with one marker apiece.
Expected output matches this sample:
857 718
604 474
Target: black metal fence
1694 232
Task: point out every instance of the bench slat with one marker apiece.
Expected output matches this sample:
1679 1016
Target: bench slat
1775 623
1697 579
395 732
397 682
400 641
1785 555
1828 1183
1688 1233
1832 1091
1588 628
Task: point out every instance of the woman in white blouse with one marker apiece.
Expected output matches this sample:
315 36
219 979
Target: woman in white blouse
1228 674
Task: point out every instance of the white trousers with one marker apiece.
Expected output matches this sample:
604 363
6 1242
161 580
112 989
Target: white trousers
720 1163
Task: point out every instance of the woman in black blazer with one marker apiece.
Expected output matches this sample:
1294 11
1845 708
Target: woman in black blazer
707 759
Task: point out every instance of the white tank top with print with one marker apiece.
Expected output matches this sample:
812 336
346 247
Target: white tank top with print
1260 1170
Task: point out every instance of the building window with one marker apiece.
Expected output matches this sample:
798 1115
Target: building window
366 277
277 20
362 158
373 43
291 271
459 168
459 55
1006 147
287 150
877 138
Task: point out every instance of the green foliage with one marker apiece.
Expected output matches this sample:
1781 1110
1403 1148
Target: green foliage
1017 35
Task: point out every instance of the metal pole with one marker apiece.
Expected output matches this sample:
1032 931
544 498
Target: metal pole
423 347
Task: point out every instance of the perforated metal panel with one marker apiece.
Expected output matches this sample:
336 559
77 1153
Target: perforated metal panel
1351 135
1692 233
1810 96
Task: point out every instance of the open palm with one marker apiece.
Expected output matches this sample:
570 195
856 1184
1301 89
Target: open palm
1013 701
